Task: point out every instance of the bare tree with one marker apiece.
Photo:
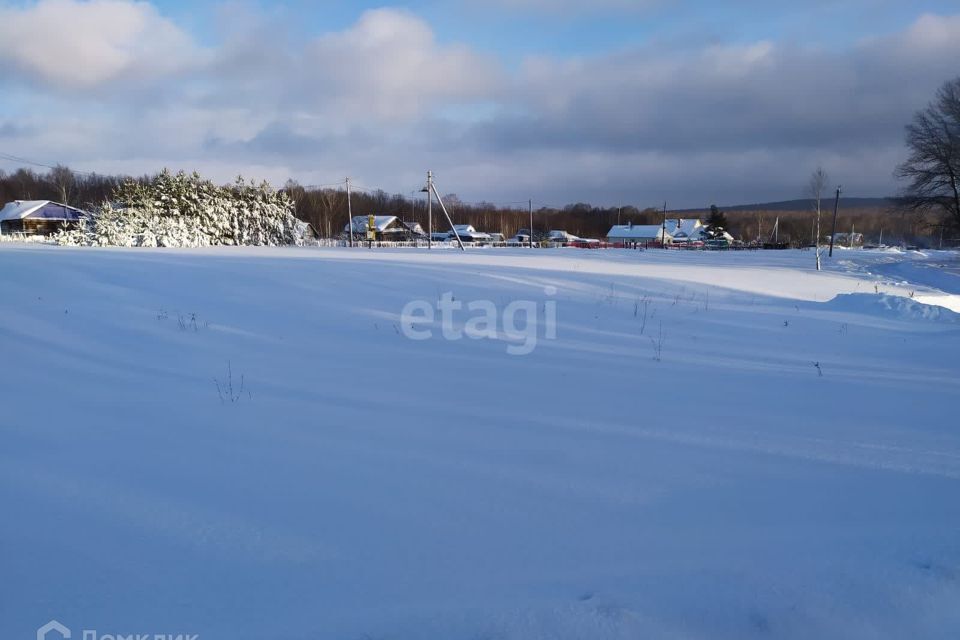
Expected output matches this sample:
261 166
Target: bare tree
933 167
64 181
333 209
818 182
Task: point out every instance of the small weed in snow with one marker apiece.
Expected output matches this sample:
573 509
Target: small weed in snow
226 390
645 304
188 322
658 344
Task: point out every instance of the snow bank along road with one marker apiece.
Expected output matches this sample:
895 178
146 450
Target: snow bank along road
788 467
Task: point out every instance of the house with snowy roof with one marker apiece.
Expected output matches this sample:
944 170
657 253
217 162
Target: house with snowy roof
672 231
638 233
384 228
468 233
560 236
38 217
415 230
690 230
686 230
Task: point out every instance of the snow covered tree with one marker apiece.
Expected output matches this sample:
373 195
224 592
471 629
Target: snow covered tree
186 210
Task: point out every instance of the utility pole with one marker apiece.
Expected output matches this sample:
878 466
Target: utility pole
530 205
836 205
449 219
663 227
349 213
817 239
429 190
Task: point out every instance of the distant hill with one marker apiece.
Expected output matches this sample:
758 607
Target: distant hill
806 204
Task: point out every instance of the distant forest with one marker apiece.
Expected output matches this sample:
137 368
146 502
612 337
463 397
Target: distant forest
326 210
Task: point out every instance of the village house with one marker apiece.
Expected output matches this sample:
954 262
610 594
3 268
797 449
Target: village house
38 217
676 231
416 231
686 230
690 230
468 233
385 228
638 234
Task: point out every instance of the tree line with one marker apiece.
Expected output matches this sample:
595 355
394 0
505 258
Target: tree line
326 210
926 211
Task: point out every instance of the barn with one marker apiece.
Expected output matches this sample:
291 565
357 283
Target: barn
38 217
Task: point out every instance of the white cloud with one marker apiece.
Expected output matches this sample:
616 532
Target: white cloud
75 45
389 66
384 99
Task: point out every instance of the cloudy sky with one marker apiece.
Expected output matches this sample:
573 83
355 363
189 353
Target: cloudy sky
607 101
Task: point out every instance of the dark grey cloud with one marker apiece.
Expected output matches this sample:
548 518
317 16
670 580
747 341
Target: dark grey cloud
728 98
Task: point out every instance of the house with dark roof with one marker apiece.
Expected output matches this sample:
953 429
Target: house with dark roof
38 217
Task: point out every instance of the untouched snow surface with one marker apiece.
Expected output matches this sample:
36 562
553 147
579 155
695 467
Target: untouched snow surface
789 467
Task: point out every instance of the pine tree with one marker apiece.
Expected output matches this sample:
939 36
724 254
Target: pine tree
181 210
716 222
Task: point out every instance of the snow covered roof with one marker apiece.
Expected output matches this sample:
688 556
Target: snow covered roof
382 223
637 231
465 229
303 230
692 229
20 209
561 235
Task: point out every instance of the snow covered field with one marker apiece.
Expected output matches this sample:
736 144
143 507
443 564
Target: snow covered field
789 466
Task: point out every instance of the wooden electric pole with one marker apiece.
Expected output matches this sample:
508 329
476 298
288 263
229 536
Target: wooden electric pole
349 213
429 190
530 205
663 227
836 206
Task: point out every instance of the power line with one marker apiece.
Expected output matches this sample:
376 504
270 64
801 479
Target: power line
13 158
323 186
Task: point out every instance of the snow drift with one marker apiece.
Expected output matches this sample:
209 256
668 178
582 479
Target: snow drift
894 306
